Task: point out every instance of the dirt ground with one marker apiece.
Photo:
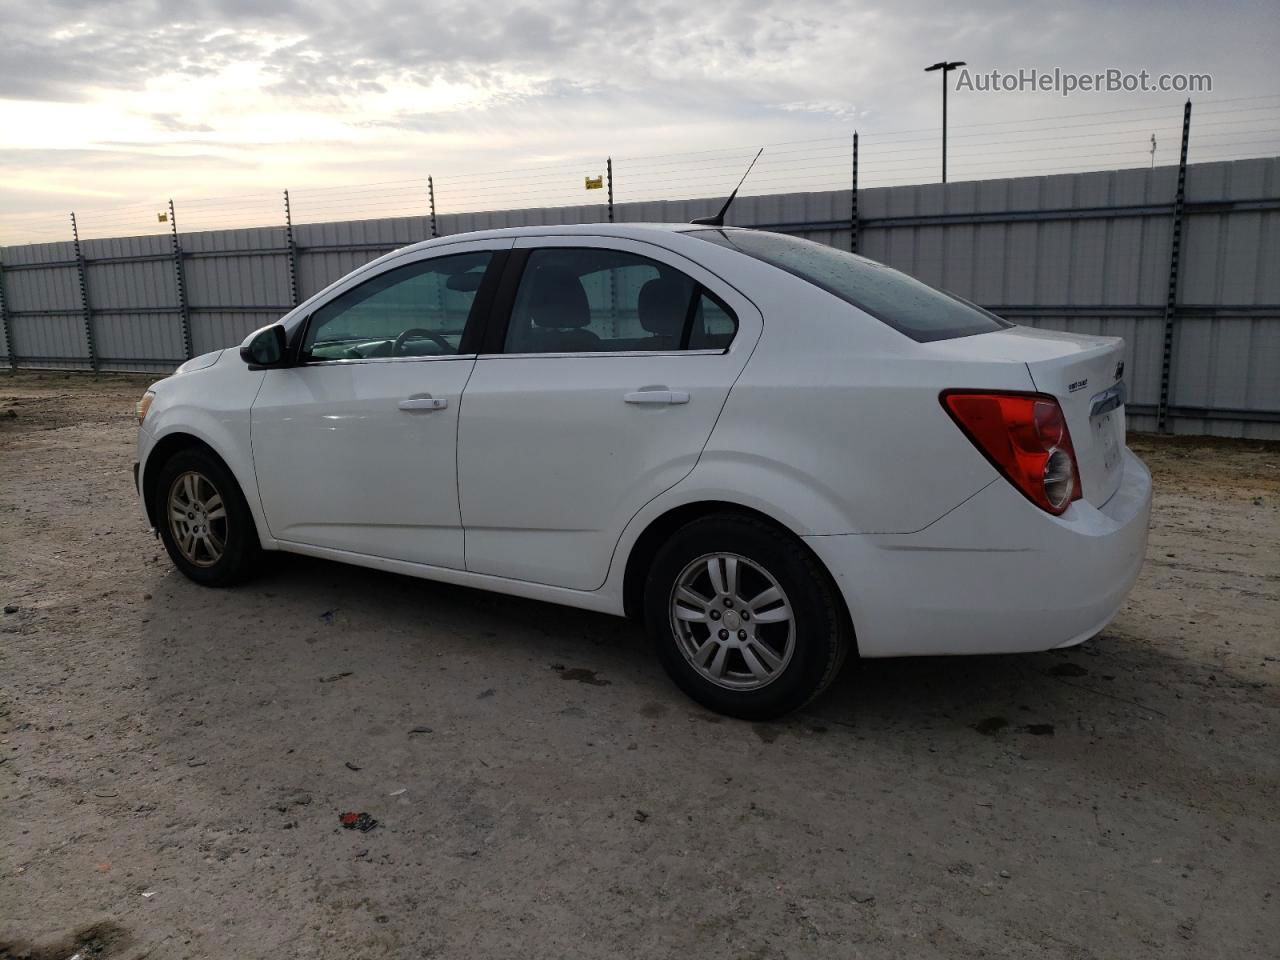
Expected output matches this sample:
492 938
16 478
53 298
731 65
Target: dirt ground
174 760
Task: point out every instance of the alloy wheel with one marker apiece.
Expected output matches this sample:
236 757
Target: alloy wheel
732 621
197 518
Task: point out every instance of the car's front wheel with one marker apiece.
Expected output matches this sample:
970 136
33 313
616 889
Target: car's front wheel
204 521
745 620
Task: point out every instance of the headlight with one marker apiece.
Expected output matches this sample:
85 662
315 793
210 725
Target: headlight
144 405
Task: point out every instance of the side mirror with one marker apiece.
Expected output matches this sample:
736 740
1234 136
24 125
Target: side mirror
265 348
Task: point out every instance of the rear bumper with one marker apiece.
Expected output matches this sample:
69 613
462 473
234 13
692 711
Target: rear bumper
996 574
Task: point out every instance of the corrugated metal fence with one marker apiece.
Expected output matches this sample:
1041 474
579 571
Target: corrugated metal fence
1088 252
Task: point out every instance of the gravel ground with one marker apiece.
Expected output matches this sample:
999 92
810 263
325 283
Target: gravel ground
174 760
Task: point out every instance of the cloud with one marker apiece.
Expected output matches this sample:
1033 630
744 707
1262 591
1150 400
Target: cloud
106 160
68 63
326 88
828 53
64 50
174 124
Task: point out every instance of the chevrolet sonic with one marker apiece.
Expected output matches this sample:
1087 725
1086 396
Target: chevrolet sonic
772 452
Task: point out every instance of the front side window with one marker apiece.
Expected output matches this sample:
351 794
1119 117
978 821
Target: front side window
913 308
418 310
589 300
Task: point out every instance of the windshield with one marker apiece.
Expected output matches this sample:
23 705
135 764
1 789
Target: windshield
913 308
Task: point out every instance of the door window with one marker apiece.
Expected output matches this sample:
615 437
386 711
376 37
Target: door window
713 324
588 300
418 310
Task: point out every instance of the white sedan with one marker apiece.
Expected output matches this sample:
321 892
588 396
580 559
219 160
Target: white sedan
772 452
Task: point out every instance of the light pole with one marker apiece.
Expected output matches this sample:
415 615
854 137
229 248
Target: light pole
946 66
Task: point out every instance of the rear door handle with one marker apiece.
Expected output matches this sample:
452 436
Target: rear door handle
659 395
423 402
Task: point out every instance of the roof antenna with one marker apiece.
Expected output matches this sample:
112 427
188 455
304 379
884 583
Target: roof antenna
718 219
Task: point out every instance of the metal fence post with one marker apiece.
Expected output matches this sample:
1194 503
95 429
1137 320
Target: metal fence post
179 275
85 309
608 169
293 251
431 195
1175 257
853 200
4 324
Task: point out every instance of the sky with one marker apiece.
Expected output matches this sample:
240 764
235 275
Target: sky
112 108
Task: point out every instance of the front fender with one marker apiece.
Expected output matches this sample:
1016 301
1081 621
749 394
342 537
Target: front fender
213 406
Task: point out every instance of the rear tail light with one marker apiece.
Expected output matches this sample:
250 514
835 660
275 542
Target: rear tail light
1025 437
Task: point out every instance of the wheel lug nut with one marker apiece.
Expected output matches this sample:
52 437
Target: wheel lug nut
745 615
742 634
728 602
724 634
715 614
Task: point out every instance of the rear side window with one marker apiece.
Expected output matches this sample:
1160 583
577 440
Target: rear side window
916 309
713 324
595 300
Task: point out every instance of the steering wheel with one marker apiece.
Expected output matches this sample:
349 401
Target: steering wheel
417 333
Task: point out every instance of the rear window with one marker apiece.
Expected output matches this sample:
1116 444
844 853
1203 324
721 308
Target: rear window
916 309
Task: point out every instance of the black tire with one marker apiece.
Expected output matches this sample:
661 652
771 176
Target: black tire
236 532
819 638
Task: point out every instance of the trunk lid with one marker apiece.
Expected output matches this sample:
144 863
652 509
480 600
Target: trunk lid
1089 385
1086 376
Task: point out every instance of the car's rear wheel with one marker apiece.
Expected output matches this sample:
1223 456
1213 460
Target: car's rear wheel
204 520
744 619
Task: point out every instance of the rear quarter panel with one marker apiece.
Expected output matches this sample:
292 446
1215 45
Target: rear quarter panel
836 425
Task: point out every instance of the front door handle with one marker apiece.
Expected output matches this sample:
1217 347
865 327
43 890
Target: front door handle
657 395
423 402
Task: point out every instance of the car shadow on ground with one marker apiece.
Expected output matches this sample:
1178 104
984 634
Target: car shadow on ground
381 617
348 686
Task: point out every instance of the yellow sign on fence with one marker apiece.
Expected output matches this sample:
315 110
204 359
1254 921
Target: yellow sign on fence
595 183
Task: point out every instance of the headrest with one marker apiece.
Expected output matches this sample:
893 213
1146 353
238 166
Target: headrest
557 299
662 306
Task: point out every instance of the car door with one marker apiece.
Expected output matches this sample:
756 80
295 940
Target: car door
355 446
608 364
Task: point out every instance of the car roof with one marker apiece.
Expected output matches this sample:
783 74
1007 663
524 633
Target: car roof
635 231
